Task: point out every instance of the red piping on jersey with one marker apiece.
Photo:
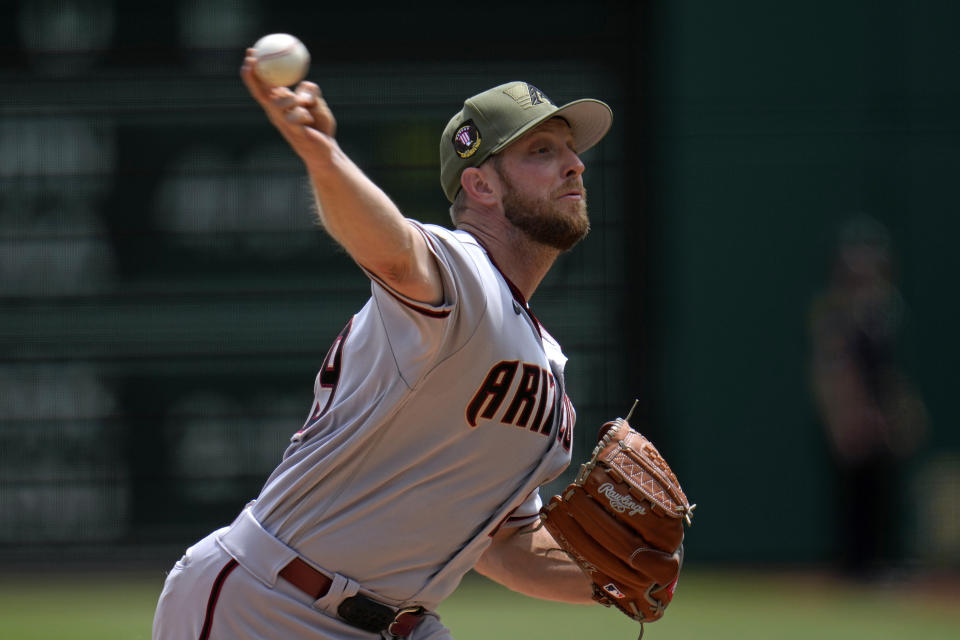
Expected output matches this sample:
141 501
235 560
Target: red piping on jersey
517 294
427 311
432 313
214 596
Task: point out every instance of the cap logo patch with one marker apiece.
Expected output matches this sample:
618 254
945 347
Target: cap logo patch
537 96
527 95
466 139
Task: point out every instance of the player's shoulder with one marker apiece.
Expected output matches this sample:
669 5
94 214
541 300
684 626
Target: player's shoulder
453 241
448 235
462 259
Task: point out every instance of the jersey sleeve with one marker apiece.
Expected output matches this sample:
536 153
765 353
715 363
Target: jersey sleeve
449 291
420 334
527 513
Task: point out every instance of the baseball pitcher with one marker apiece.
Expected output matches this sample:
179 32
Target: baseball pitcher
439 409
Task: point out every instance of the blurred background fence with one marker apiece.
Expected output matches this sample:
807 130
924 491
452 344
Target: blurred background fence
166 297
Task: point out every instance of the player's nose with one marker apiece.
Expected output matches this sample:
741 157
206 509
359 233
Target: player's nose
573 165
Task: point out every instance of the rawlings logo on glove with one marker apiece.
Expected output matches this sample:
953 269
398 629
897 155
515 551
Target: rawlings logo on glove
620 503
622 521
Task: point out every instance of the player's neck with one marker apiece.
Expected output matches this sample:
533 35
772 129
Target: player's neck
522 260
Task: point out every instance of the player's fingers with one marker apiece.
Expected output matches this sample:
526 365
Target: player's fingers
298 115
283 99
254 84
306 98
322 115
295 121
308 92
280 97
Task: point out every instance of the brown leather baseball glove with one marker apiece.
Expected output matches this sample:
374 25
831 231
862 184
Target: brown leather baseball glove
622 521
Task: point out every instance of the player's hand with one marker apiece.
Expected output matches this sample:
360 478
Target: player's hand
310 99
302 116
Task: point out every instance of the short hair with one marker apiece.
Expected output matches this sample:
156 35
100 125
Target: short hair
460 200
458 206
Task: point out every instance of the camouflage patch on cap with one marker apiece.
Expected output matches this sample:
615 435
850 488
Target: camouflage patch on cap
526 95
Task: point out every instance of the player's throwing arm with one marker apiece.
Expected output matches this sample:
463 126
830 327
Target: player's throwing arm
353 210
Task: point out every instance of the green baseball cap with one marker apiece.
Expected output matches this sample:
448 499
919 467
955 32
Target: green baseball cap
491 120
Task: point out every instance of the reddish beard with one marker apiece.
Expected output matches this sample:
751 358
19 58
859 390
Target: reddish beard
548 220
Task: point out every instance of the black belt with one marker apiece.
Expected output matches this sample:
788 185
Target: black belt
359 610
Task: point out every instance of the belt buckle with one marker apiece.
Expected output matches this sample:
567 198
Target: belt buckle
401 628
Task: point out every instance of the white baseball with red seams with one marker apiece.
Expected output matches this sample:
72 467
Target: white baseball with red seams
282 60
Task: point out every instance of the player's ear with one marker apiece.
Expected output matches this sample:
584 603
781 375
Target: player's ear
479 185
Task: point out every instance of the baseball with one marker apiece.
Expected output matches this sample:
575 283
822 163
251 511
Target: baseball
282 60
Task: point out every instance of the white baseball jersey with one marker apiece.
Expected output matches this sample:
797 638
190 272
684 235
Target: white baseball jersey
431 427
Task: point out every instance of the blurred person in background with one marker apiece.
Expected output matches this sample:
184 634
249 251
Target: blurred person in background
873 417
